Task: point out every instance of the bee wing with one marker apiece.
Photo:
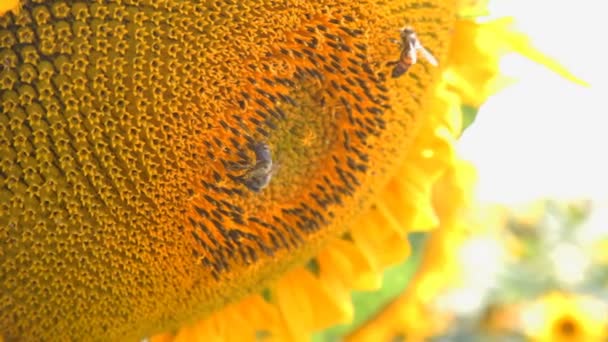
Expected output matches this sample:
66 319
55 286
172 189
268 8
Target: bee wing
412 55
428 56
274 169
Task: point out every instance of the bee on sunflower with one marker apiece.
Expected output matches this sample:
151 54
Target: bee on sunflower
127 127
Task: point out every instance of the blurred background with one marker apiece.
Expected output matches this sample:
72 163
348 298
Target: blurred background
544 131
535 268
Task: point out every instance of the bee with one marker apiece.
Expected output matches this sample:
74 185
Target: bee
258 176
410 47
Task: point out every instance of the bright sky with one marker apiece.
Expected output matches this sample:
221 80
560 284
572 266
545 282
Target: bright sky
545 136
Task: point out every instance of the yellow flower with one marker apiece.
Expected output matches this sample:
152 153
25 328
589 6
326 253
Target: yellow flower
130 142
562 317
130 163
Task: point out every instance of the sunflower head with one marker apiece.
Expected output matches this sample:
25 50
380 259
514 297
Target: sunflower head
134 195
565 317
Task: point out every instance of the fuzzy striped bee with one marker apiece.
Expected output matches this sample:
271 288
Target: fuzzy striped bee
258 177
410 48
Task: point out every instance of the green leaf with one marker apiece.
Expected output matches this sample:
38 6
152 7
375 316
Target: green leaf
468 116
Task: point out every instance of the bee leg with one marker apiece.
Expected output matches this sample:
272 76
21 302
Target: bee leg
234 166
391 63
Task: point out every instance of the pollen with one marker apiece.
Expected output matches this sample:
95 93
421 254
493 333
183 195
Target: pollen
125 128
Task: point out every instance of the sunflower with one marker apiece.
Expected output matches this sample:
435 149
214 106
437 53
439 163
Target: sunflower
563 317
249 163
